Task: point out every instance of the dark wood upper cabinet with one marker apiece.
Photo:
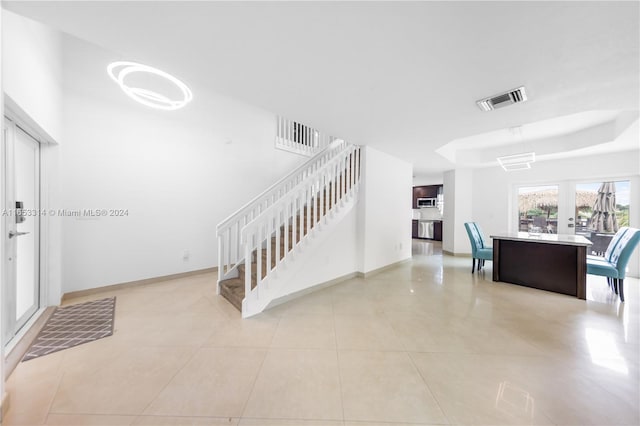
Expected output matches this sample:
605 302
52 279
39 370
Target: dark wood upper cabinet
426 191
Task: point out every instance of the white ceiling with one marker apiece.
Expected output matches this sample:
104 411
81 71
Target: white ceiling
400 76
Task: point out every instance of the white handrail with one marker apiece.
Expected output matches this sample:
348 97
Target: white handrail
230 250
297 215
294 136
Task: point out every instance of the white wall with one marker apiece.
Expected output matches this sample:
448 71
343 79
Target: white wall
2 230
32 88
493 189
331 254
423 179
32 70
32 85
176 174
384 210
458 206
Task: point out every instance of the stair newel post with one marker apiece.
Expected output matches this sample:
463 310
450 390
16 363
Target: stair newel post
310 207
359 166
340 179
356 166
259 240
345 172
352 171
355 170
313 188
294 208
347 179
220 263
247 262
277 240
334 169
299 211
349 174
325 194
267 239
286 229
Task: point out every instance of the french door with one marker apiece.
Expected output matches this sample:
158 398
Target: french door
593 208
21 215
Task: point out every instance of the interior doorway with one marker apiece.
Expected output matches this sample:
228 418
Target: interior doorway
22 223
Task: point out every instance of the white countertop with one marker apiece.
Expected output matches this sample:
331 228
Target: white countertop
571 240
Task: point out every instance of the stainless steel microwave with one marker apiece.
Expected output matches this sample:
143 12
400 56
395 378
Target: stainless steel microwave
427 202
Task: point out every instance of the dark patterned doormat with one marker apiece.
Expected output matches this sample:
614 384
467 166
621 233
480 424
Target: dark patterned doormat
74 325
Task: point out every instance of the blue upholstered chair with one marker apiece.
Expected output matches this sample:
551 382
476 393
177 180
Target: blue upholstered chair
479 249
615 259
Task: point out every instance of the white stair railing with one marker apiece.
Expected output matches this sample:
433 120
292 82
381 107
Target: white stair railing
230 249
299 138
281 229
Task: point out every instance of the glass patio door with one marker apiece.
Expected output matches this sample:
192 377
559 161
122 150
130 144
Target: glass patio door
601 208
538 208
593 209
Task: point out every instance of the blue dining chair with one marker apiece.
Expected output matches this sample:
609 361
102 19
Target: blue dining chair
479 249
614 263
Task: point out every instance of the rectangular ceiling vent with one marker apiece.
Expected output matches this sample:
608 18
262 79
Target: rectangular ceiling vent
503 99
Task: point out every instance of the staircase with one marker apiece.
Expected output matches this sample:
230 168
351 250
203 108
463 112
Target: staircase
271 230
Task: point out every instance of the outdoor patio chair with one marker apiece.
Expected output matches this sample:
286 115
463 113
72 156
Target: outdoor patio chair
614 262
541 222
479 249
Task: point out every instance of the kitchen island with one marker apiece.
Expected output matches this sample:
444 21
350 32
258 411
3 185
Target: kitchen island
552 262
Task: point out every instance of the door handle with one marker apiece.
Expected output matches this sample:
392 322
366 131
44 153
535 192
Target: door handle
571 225
16 234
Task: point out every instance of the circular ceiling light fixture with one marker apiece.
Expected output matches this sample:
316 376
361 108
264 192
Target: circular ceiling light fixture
118 71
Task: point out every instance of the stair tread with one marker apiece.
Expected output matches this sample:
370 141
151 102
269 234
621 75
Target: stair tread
233 290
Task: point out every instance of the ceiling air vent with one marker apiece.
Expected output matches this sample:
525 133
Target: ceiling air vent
503 99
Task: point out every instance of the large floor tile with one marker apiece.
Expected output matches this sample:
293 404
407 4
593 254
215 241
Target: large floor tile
385 387
288 422
482 389
216 382
254 332
297 384
349 423
89 420
318 302
305 331
368 332
184 421
124 385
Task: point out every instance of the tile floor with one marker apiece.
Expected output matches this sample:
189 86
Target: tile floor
425 343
